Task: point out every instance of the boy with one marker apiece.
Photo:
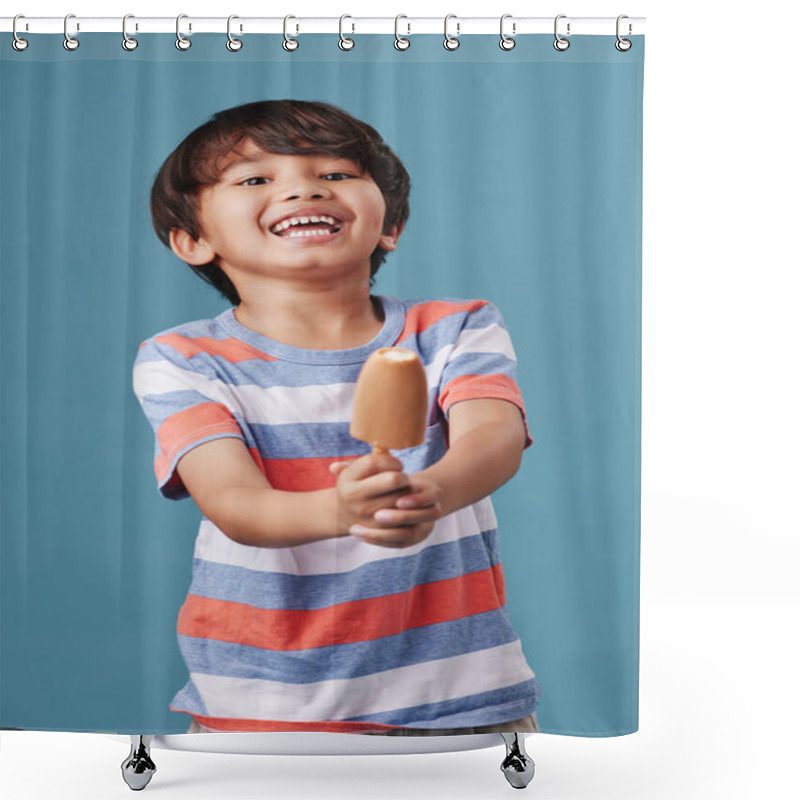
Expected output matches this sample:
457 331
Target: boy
333 589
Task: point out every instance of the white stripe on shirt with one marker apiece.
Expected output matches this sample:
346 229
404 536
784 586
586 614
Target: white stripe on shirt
336 555
403 687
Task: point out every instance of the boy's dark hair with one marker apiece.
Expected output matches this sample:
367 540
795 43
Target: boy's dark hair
284 127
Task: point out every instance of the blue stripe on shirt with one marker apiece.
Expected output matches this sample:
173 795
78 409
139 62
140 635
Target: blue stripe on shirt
276 590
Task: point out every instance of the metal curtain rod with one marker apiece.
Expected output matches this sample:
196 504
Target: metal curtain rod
407 25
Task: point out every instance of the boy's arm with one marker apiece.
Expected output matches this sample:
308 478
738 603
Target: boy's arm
487 437
234 494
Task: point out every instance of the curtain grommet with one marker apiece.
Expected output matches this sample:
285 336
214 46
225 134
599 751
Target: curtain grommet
233 44
181 42
561 43
290 44
623 45
70 42
129 43
400 42
18 43
345 43
507 42
451 42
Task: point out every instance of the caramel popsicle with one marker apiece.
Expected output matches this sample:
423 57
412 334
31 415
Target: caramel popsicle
391 400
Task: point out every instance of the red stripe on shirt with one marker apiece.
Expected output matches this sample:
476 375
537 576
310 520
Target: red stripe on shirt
301 474
475 387
343 623
493 386
184 427
262 725
232 350
420 317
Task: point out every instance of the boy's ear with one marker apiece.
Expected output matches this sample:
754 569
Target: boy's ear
388 241
193 251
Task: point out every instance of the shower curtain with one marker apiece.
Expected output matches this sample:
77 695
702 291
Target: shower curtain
521 252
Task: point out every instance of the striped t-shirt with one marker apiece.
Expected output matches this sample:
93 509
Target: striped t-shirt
337 635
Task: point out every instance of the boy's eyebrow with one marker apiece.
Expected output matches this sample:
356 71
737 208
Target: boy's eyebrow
256 159
238 162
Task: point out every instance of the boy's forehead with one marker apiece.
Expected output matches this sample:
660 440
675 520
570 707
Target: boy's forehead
244 152
248 152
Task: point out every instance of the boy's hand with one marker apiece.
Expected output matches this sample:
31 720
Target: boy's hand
400 519
365 485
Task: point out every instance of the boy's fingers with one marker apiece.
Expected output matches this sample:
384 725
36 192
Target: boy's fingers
386 537
374 463
383 484
418 499
405 517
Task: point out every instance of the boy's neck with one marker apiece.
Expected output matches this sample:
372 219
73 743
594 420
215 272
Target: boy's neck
320 320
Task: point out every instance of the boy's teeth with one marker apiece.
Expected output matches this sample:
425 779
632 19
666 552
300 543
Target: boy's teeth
291 222
312 232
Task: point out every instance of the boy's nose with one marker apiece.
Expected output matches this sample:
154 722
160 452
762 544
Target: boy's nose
306 188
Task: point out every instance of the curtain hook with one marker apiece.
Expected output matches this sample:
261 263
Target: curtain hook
344 42
400 42
70 42
506 42
128 42
289 43
451 42
623 44
18 44
560 43
233 44
182 43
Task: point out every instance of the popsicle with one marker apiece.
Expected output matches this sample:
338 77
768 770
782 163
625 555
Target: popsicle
391 400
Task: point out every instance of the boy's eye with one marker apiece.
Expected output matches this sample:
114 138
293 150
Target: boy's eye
330 176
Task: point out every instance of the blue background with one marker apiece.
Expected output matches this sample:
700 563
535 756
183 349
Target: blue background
526 191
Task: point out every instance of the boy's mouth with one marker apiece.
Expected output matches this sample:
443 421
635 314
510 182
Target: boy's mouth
311 227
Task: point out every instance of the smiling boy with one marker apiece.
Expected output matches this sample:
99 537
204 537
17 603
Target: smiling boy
333 589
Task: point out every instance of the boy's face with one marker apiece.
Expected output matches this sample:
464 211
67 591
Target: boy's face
247 217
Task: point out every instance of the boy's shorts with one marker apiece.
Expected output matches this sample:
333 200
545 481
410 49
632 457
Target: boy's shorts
525 725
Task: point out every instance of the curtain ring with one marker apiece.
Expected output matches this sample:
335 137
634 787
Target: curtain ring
128 42
506 42
182 43
451 42
400 42
233 44
70 42
289 43
623 44
344 42
560 43
18 44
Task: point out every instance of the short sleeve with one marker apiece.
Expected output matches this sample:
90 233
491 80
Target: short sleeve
482 364
184 406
